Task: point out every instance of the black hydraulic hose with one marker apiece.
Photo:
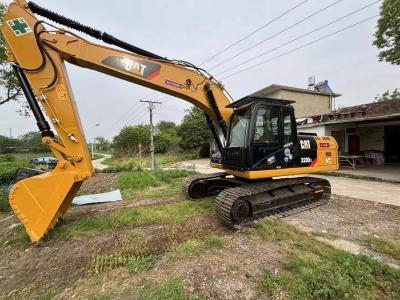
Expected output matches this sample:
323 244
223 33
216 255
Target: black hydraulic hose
42 124
105 37
214 132
214 106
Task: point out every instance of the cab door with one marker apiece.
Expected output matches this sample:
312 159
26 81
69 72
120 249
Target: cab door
266 139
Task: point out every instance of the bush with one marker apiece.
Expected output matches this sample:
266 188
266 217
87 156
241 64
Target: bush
6 158
7 170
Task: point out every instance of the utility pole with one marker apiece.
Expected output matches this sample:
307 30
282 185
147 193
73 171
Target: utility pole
151 108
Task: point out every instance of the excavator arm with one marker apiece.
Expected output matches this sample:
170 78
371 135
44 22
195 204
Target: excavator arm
38 51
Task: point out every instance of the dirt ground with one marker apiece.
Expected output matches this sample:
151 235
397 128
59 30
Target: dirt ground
99 183
27 269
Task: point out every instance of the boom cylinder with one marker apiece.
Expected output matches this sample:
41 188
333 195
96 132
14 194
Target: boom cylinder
41 122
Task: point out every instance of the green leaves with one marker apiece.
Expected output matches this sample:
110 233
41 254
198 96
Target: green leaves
387 35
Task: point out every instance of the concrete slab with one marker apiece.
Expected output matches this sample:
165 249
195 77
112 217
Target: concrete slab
390 172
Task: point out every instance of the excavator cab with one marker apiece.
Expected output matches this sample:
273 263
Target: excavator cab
261 131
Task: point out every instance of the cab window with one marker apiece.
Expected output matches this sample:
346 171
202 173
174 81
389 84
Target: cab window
239 127
287 127
266 126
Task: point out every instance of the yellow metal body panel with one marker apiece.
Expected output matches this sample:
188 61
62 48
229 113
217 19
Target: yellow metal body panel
327 160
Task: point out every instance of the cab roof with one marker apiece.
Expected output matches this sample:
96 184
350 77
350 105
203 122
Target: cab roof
253 100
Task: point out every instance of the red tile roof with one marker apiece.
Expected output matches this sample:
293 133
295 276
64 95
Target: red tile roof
383 108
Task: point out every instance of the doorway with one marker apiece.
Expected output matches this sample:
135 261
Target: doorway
392 144
354 144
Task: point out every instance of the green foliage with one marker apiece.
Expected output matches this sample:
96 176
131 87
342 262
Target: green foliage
4 205
172 289
145 184
166 138
389 245
7 170
129 218
315 270
214 242
102 145
129 138
144 179
394 95
49 294
8 145
138 264
387 35
194 246
33 142
8 81
194 132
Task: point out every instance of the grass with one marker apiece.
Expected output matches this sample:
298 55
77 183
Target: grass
389 245
4 205
49 294
8 166
27 156
314 270
138 264
195 246
145 184
132 163
172 289
131 217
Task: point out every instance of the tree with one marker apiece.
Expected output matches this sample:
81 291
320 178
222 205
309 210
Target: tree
387 35
129 138
166 137
33 141
102 144
388 96
8 81
194 132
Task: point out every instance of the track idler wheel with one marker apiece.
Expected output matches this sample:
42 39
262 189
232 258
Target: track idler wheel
240 211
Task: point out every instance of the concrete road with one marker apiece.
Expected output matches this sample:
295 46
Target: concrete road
383 192
98 163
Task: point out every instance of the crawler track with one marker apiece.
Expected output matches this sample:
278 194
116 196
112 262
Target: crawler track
278 198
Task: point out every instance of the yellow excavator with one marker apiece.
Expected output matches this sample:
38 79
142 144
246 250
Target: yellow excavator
256 137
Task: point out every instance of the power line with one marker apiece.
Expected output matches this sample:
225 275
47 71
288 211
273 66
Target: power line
275 34
253 32
302 46
299 37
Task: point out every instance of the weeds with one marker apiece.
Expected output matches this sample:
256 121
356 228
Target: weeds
173 289
315 270
49 294
128 218
138 264
213 242
389 245
145 184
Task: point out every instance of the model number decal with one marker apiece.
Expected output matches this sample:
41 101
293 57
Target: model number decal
305 144
306 160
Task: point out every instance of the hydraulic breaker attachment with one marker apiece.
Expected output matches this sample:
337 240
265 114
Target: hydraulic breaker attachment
39 201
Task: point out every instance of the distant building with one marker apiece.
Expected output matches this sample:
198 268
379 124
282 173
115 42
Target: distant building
371 129
316 100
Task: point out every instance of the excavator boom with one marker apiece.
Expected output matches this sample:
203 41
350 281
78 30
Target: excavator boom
38 51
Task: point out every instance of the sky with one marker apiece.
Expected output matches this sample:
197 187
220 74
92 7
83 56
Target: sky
196 30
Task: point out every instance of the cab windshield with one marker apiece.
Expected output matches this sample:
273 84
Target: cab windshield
239 128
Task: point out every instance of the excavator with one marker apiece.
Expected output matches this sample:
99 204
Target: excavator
256 137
